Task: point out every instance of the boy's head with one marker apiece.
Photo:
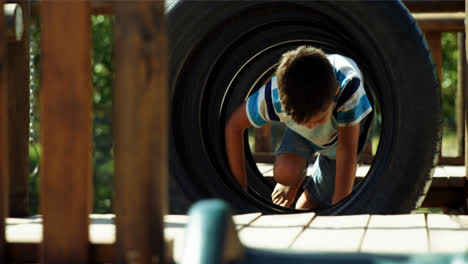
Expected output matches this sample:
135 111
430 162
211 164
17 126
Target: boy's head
307 84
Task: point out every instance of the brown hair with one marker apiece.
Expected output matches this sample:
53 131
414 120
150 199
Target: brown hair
306 82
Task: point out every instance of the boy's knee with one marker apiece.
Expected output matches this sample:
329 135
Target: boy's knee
287 174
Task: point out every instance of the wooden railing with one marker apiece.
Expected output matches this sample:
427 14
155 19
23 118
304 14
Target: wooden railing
140 130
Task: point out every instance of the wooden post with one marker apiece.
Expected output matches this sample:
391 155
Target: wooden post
4 163
466 99
461 70
18 83
263 138
65 105
140 130
434 40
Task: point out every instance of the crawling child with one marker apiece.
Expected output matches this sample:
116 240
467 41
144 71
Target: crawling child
322 101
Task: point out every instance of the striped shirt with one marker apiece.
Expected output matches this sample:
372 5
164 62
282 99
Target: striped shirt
351 106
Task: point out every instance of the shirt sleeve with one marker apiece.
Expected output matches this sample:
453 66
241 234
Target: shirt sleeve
353 104
256 108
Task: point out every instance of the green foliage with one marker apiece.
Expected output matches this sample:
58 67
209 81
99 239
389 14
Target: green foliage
102 80
449 79
103 83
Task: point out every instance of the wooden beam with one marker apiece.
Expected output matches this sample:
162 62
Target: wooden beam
4 163
441 22
434 40
18 83
445 197
29 253
466 100
140 130
461 83
65 108
435 5
104 7
98 7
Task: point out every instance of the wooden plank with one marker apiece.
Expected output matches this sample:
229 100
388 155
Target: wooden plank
461 83
333 234
286 220
21 232
65 108
104 7
435 6
140 130
448 176
245 219
175 231
396 234
324 233
329 240
4 146
466 100
441 22
455 171
448 241
444 197
448 233
275 231
394 241
397 221
434 40
340 222
453 161
29 253
442 221
18 83
269 237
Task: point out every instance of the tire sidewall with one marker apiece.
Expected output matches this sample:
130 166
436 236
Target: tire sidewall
204 44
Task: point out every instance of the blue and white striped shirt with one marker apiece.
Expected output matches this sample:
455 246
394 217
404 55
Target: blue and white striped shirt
351 106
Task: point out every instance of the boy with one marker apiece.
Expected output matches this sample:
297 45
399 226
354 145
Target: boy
322 101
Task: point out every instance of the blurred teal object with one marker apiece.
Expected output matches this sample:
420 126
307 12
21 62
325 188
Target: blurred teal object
212 238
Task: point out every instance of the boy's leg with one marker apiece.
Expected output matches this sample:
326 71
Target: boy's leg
306 202
292 158
320 187
289 172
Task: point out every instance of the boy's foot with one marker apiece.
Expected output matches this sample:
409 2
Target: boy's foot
284 195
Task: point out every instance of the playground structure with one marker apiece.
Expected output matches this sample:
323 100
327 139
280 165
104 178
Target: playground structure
140 115
66 121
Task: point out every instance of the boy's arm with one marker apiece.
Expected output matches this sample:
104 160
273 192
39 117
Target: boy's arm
234 139
346 161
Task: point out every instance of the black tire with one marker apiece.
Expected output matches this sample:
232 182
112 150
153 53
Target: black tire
220 52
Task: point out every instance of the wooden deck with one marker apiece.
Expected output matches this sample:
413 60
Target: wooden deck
443 175
391 234
447 191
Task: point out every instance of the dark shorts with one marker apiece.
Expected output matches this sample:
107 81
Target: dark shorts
321 183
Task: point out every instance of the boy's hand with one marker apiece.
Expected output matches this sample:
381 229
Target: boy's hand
234 139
